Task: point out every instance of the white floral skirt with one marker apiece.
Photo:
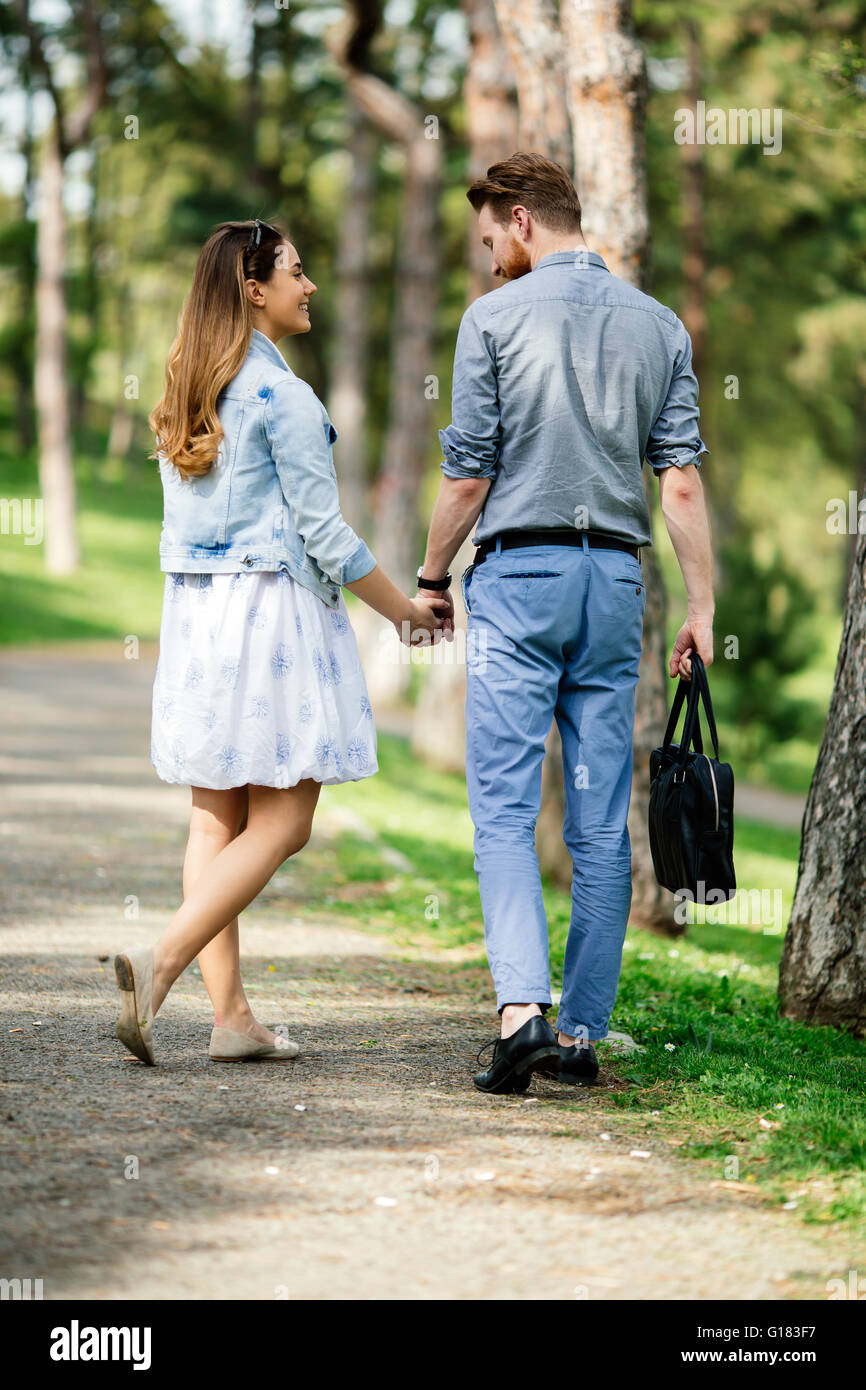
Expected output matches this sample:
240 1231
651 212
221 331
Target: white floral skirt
258 682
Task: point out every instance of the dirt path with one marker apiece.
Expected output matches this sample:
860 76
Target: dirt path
368 1169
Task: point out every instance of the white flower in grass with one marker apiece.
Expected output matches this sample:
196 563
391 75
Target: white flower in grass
670 1047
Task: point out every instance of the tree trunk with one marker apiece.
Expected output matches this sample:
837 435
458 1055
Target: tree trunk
439 722
56 475
607 96
412 334
416 277
348 396
492 119
535 46
823 972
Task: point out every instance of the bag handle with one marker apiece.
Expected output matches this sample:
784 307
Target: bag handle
691 726
704 686
698 690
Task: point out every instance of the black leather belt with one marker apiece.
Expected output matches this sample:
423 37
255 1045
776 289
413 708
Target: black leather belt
511 540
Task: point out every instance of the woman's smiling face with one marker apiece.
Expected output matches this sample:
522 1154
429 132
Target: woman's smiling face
281 305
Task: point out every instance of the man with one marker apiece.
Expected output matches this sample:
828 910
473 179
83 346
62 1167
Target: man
565 379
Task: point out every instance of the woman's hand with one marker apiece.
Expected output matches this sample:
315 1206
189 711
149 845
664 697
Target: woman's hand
424 618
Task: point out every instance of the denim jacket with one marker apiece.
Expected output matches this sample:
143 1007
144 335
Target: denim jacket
269 501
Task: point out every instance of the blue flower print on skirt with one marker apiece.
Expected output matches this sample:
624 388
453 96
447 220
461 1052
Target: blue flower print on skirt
258 683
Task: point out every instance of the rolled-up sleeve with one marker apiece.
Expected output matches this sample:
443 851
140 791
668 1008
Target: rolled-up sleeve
470 444
674 440
300 436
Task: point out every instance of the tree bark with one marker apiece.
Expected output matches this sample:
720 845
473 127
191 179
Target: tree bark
823 971
348 395
535 46
416 277
67 132
56 474
607 97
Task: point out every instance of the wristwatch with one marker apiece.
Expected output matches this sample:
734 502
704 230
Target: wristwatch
438 584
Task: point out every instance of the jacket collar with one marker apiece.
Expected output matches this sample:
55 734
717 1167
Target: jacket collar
580 259
261 343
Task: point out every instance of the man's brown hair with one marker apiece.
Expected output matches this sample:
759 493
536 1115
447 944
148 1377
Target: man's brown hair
534 181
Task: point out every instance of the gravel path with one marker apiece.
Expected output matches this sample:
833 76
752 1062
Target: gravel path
367 1169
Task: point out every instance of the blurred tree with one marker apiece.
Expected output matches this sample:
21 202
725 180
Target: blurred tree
439 723
533 37
351 347
415 287
763 616
68 130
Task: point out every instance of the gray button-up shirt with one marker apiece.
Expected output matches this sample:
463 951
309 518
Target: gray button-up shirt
565 380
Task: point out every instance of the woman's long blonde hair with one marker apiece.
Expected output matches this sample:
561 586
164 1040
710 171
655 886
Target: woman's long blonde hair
212 341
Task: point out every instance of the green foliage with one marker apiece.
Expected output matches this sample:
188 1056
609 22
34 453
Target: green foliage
766 610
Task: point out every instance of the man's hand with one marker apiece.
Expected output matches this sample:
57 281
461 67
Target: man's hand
424 619
695 635
445 599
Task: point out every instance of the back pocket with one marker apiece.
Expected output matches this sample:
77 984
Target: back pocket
533 574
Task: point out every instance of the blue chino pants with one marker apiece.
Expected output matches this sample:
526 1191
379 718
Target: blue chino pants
554 633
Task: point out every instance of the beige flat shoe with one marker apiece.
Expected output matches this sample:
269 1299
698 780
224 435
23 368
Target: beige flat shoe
226 1046
134 974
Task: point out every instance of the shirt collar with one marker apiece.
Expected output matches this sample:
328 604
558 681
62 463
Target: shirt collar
262 343
580 259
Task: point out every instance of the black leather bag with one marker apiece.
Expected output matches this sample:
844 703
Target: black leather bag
691 802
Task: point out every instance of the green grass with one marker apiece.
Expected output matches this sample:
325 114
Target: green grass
118 589
718 1060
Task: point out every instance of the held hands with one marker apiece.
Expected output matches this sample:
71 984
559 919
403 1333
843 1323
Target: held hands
695 635
430 613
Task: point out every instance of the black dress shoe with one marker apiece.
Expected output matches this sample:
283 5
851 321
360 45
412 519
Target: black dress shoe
578 1066
516 1058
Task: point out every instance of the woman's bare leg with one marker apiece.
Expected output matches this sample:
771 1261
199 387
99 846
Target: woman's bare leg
278 825
216 818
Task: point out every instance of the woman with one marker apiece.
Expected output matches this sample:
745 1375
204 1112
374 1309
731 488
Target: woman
259 695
